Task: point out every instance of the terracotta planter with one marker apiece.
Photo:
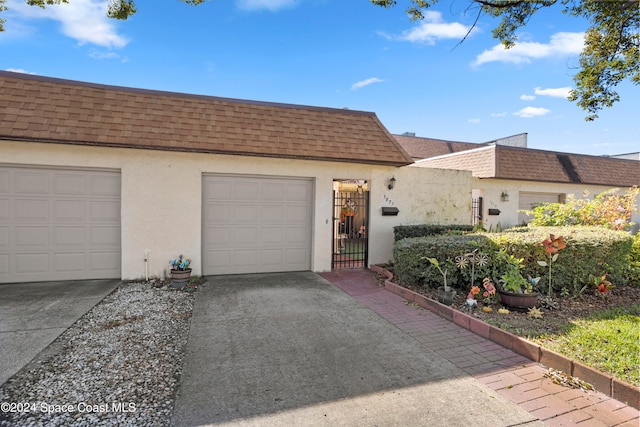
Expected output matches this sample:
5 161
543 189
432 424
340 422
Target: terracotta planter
518 301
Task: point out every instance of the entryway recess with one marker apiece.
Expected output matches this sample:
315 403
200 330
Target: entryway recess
350 245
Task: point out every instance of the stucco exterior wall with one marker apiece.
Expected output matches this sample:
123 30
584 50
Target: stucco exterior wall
161 197
491 190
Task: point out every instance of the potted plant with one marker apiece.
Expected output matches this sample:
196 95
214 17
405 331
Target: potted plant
180 271
515 290
445 293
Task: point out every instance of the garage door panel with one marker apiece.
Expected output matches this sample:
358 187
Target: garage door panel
245 258
69 210
272 236
4 264
31 210
104 211
32 237
246 191
104 261
272 257
257 235
298 214
4 209
216 213
273 214
218 237
4 182
218 190
299 193
105 236
70 184
246 236
32 263
4 238
245 213
59 224
69 236
32 182
273 191
66 262
105 185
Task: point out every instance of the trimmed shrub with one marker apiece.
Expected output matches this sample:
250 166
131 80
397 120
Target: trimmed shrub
590 252
408 231
634 262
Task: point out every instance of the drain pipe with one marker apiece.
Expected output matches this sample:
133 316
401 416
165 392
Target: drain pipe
146 265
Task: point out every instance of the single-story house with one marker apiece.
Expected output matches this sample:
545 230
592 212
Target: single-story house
100 181
508 180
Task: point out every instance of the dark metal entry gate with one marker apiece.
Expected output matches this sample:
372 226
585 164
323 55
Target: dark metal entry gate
350 229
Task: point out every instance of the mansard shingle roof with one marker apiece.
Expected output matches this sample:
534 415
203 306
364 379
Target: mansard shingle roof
52 110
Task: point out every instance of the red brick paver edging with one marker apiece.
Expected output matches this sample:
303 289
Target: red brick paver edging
504 362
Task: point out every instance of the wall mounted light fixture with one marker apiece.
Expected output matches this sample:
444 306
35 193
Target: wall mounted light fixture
392 183
504 196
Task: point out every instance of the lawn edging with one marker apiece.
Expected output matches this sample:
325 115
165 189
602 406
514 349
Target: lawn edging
601 381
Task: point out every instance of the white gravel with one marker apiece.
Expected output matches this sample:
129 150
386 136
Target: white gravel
118 365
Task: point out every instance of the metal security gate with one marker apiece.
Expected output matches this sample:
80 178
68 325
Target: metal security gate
476 211
350 229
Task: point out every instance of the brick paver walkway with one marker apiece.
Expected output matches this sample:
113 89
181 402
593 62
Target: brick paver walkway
512 375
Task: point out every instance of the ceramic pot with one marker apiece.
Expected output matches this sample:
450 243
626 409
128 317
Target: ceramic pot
518 301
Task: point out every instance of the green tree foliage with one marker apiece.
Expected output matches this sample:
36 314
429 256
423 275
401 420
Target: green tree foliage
608 209
117 9
612 42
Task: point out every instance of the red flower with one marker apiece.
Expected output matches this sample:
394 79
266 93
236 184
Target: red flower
553 245
602 288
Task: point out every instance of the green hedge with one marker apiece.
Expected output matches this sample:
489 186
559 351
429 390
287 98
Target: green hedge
589 251
409 231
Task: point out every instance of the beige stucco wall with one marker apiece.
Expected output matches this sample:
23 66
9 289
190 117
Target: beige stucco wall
491 189
162 193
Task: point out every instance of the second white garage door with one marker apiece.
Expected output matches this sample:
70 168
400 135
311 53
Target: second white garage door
256 224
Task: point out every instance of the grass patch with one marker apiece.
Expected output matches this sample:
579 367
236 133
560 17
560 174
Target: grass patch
608 340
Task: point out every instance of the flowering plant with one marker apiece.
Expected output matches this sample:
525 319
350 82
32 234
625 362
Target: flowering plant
552 245
602 285
180 264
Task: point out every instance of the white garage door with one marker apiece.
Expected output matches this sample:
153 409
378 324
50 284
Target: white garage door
256 224
59 224
528 201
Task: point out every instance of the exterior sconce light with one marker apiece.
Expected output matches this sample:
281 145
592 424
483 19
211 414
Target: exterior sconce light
392 183
504 196
359 190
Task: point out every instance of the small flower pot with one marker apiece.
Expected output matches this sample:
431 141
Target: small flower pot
179 278
446 297
517 301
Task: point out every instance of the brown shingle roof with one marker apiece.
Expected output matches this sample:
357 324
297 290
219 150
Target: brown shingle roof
545 166
423 148
60 111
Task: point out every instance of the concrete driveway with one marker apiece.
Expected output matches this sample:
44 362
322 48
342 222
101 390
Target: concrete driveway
33 315
292 349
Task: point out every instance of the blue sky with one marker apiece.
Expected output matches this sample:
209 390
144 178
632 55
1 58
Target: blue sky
416 76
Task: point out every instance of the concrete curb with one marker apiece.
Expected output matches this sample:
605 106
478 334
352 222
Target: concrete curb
602 382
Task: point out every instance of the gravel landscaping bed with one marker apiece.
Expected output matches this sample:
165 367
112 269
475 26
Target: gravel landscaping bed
118 365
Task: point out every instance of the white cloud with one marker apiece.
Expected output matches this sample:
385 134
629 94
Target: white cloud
364 83
101 54
525 97
474 120
560 92
499 114
529 112
83 20
561 44
272 5
19 70
432 28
